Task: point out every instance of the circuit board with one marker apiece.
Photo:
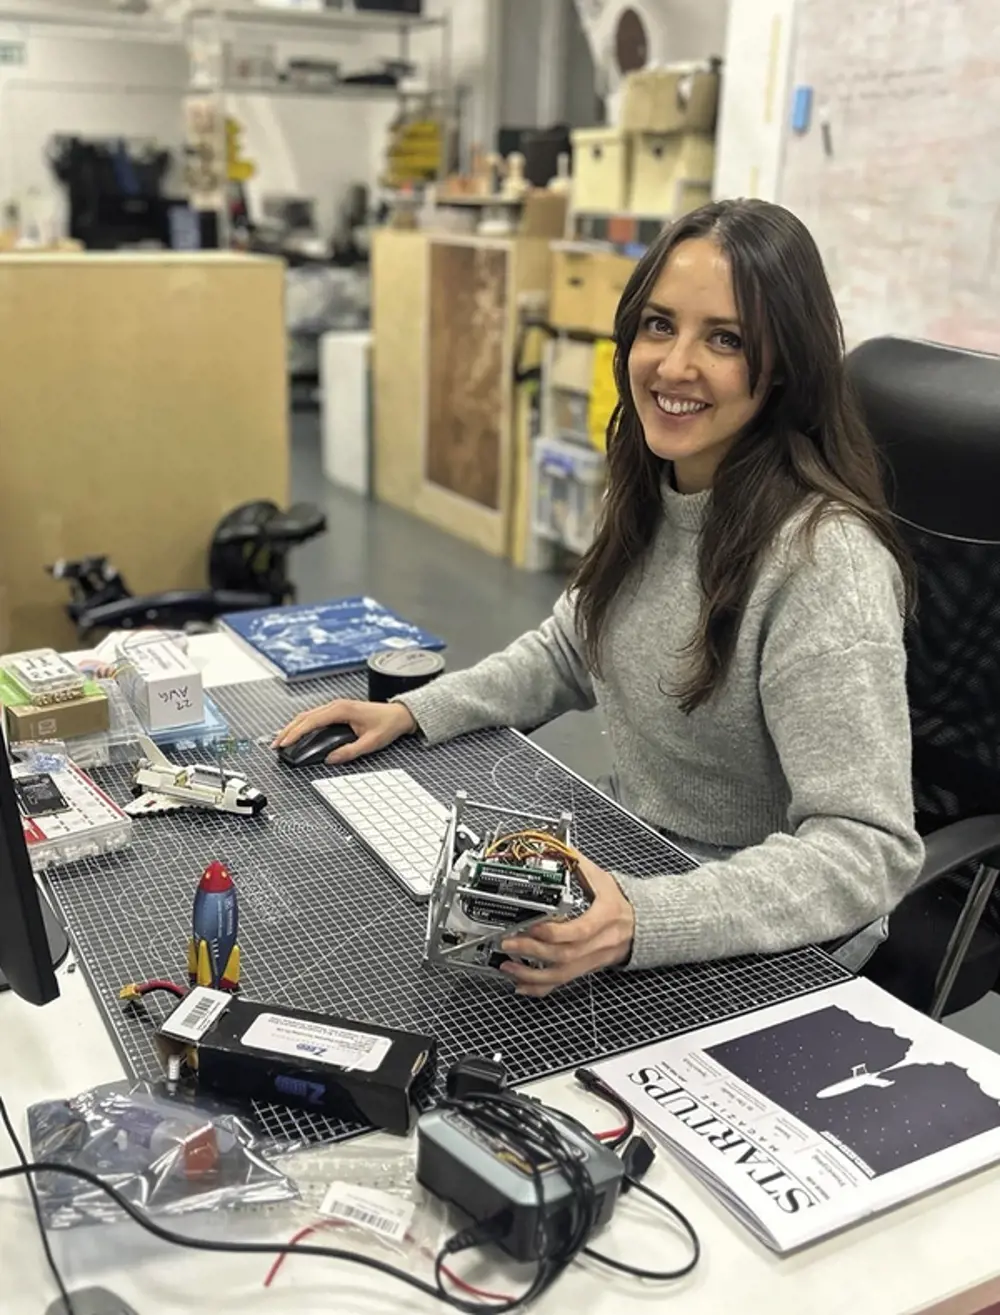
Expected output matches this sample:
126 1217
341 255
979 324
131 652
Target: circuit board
323 927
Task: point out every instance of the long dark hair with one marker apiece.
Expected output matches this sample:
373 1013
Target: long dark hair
807 439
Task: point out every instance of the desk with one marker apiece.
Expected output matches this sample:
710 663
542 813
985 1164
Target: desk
939 1255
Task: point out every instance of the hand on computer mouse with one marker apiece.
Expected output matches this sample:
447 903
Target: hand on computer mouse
375 724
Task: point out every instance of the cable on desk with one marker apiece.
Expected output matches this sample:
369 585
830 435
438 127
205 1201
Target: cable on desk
37 1207
592 1083
452 1277
527 1128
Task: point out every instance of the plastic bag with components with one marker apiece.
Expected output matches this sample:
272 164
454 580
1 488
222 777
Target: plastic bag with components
367 1191
167 1155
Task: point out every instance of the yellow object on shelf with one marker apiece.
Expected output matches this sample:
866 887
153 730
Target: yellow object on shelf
603 393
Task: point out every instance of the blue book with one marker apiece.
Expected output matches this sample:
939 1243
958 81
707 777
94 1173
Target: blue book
308 640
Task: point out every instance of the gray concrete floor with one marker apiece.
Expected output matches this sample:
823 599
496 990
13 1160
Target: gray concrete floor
475 602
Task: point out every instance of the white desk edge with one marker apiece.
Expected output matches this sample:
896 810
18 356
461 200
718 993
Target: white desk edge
939 1254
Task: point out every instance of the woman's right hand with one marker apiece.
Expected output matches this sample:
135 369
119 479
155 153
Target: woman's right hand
375 724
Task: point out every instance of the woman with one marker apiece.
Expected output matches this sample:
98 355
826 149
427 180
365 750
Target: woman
738 620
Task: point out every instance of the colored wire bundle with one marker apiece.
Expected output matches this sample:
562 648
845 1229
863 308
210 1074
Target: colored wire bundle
521 846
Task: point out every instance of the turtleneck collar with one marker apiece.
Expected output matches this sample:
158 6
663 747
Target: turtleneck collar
685 510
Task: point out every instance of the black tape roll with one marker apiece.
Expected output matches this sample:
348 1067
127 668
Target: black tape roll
398 670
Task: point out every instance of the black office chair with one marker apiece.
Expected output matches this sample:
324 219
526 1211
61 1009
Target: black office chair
247 568
935 414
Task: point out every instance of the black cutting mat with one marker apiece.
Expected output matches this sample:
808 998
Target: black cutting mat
323 927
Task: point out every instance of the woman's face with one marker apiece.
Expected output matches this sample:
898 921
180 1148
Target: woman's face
687 368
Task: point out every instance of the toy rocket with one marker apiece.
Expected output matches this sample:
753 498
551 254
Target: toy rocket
213 954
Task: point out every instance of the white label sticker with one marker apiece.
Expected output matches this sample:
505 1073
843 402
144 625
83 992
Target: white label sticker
303 1039
380 1213
196 1013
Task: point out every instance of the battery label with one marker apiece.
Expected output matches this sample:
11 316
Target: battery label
302 1039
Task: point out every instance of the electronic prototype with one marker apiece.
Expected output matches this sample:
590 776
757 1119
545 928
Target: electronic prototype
501 879
161 786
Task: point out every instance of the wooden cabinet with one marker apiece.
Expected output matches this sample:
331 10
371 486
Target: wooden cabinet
445 336
141 398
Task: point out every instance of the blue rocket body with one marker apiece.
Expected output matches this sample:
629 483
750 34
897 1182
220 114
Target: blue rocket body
214 955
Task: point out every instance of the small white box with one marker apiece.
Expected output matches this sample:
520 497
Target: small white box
161 683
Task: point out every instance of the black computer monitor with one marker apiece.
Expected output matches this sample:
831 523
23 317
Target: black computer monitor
32 942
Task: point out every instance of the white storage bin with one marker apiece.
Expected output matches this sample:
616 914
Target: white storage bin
569 485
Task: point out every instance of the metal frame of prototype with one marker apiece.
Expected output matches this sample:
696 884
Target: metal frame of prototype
468 917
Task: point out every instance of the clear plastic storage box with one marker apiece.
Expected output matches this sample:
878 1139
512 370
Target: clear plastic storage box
569 485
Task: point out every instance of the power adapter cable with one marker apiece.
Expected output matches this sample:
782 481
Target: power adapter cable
592 1083
527 1128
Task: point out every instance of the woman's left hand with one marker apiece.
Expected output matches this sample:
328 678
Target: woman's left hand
600 938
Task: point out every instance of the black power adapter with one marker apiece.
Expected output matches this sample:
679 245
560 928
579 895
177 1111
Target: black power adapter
497 1172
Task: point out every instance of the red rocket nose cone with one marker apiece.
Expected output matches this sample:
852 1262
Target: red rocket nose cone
215 878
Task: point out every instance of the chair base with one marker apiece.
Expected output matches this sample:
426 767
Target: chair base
906 964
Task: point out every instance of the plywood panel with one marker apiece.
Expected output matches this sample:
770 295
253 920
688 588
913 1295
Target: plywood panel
465 408
402 330
141 397
399 351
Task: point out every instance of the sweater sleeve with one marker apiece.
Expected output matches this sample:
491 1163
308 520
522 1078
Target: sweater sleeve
535 679
833 694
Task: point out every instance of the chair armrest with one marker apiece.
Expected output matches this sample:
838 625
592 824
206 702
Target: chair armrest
974 840
176 607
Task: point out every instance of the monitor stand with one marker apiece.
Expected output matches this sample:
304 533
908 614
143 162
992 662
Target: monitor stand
57 938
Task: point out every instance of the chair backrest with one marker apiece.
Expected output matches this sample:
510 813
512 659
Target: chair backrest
934 412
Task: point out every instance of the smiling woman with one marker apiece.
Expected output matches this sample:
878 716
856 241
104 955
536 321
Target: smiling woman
738 621
686 368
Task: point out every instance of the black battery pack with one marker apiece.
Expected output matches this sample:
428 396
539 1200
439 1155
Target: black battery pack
333 1066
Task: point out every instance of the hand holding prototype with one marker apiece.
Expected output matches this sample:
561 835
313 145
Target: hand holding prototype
600 938
375 724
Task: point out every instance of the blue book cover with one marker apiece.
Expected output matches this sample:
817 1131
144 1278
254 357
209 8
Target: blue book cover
308 640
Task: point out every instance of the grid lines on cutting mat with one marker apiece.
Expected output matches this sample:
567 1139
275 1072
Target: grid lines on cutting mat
323 927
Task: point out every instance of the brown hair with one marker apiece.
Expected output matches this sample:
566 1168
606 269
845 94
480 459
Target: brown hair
807 442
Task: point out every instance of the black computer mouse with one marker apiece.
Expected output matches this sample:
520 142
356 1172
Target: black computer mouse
316 746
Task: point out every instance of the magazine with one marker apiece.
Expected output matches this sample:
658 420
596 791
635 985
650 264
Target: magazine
309 640
808 1116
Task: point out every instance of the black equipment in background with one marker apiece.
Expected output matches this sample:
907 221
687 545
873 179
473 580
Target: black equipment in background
115 191
32 941
247 568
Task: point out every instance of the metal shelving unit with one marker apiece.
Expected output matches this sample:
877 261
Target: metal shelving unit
368 20
223 25
40 20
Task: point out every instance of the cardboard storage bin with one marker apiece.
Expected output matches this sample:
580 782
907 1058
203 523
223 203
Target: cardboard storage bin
671 173
670 100
601 166
587 285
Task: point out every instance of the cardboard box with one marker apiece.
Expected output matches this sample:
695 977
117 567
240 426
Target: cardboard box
543 214
89 715
571 364
671 173
601 168
587 285
670 100
161 683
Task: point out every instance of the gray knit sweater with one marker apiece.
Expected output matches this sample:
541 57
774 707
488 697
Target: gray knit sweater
801 760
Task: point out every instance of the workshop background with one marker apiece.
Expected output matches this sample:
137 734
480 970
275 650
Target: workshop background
365 255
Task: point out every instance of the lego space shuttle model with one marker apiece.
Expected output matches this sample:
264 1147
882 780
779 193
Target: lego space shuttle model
160 786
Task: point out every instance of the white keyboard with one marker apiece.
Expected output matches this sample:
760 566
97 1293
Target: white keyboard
395 818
